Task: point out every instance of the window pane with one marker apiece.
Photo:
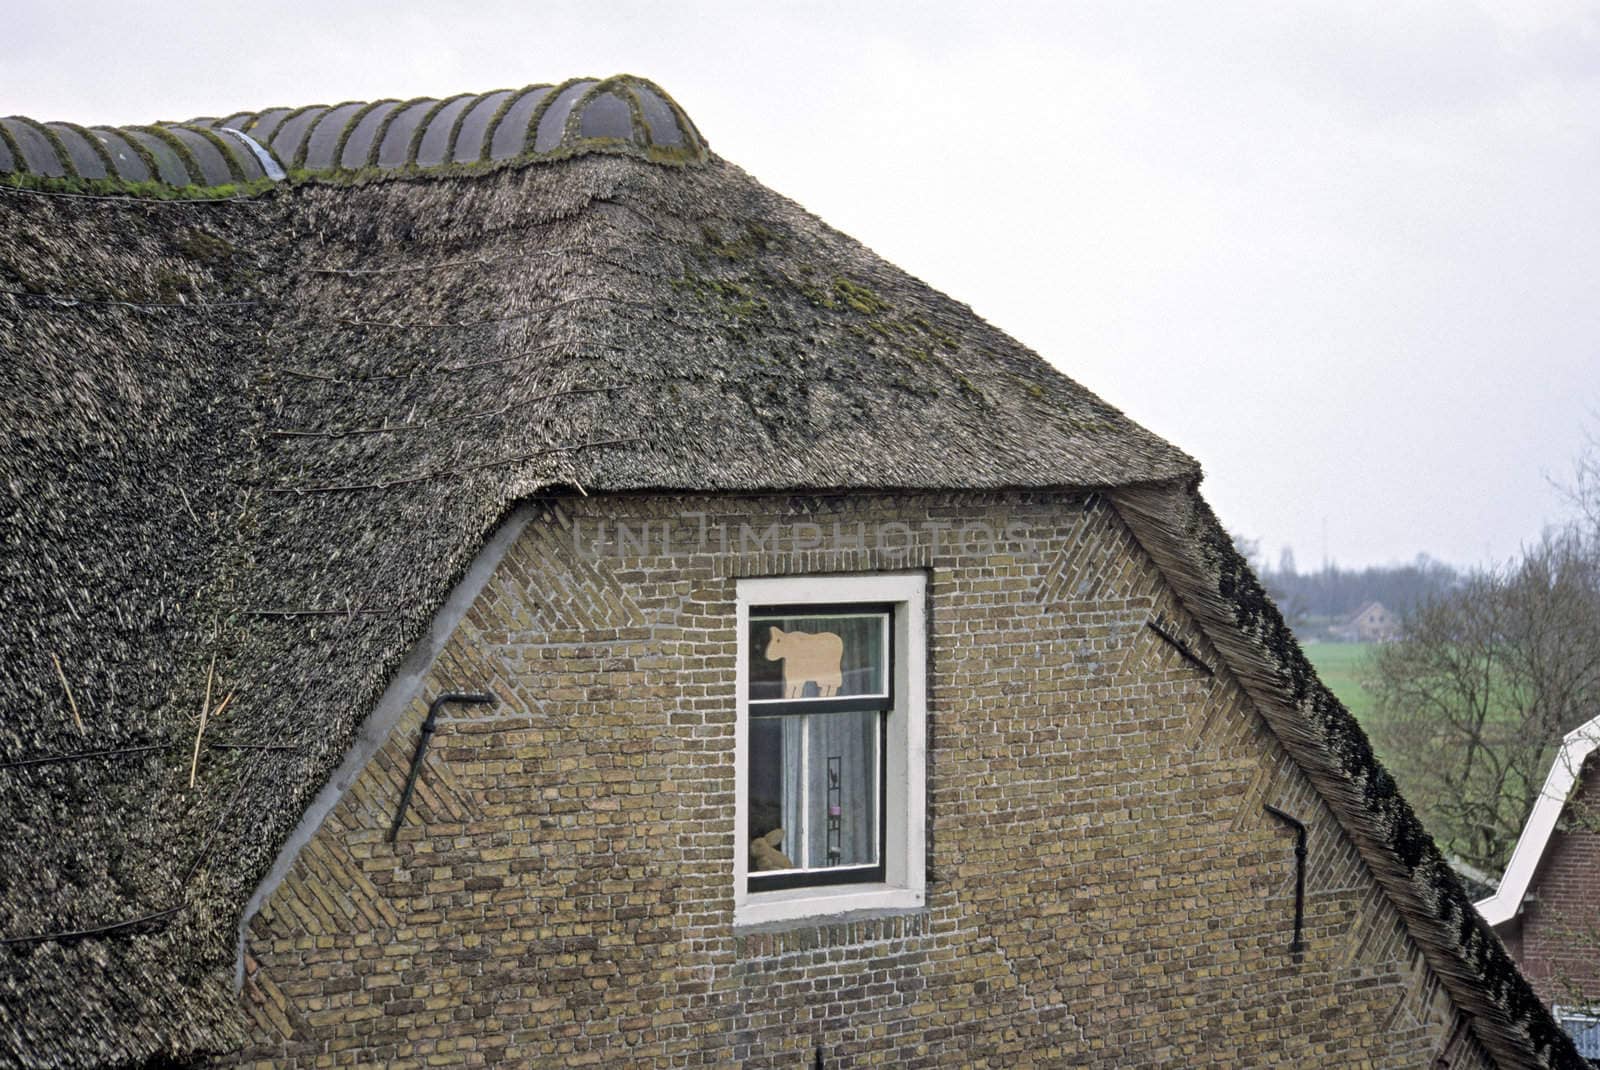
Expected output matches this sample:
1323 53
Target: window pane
842 789
819 656
767 781
814 791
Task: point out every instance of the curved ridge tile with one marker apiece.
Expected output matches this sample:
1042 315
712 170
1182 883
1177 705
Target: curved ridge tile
510 137
269 167
241 163
435 142
363 130
191 165
292 132
169 165
125 157
39 154
318 149
422 124
659 118
475 124
96 146
264 124
606 115
86 162
622 115
553 123
212 161
396 141
246 164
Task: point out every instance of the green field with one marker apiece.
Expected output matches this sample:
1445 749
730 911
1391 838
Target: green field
1341 665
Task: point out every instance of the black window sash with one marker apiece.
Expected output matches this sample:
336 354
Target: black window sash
846 703
884 704
831 875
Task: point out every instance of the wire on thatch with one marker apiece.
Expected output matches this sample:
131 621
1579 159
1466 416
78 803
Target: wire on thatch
224 745
85 755
323 612
66 935
134 199
71 301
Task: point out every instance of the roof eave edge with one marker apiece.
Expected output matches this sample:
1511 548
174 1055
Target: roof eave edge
404 685
1150 513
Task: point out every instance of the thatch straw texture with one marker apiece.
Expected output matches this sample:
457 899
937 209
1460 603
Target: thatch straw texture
273 432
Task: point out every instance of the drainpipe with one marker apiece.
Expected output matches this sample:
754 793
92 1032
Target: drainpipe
1297 945
461 697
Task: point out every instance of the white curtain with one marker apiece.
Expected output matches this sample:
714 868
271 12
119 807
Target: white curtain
793 748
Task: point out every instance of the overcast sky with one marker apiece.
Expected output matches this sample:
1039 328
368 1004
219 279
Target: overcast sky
1347 255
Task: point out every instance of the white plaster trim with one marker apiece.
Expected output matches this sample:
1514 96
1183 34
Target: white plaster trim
1506 902
766 907
403 689
904 852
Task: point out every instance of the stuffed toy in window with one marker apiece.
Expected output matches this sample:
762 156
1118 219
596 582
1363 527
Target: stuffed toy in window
764 853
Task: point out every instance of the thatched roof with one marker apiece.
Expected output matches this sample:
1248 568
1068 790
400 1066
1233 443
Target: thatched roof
252 441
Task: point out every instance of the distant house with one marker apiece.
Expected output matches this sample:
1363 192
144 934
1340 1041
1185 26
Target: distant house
486 582
1372 623
1547 907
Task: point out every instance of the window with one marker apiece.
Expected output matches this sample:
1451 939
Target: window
1583 1026
830 745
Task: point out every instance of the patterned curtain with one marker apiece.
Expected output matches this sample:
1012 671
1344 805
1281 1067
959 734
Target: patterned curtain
852 740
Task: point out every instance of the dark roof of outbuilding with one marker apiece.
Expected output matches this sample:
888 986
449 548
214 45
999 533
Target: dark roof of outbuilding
252 441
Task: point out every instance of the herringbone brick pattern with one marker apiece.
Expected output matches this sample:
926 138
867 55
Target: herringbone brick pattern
1104 887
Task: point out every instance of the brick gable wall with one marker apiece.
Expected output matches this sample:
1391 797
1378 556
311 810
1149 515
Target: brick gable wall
1559 934
1104 888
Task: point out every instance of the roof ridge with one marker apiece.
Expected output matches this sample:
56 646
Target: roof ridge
619 115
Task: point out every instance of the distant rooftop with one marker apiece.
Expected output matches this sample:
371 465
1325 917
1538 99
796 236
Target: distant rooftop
621 115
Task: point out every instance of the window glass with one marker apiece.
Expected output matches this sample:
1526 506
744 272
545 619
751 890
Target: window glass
815 791
818 656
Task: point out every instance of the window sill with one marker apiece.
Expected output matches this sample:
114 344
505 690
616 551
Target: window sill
821 904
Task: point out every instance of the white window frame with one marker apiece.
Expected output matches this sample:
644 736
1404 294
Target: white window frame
905 788
1568 1017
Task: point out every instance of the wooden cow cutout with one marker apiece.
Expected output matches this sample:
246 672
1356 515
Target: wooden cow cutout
807 658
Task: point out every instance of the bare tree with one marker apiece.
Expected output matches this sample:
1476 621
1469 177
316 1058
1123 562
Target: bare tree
1584 490
1473 700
